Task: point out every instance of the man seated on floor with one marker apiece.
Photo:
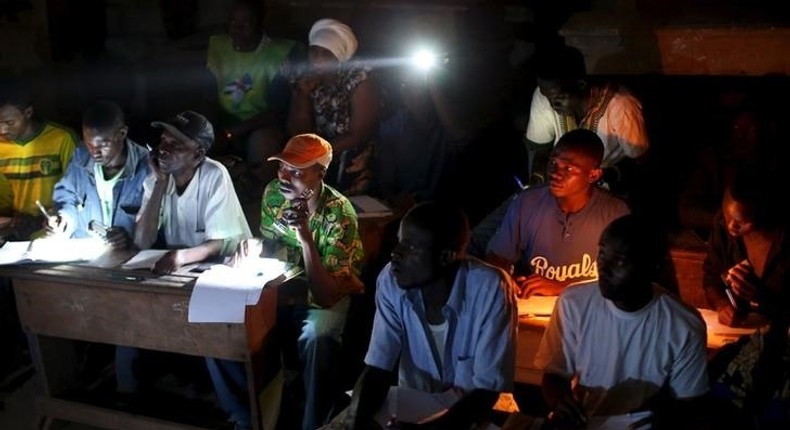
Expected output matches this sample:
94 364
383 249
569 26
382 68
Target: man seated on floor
104 181
317 227
448 321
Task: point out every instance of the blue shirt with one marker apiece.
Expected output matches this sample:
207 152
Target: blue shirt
551 244
482 322
75 195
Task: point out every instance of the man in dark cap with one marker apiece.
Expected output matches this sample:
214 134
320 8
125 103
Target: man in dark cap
188 198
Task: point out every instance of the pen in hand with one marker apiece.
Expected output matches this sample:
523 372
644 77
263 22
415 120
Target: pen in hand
42 209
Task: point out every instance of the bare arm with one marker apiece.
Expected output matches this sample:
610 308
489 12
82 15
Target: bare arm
323 285
300 114
147 227
540 159
501 262
176 258
364 115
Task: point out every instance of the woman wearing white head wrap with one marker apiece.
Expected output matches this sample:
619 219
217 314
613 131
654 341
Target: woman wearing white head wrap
336 100
335 37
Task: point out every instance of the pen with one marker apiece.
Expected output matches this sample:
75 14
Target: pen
519 183
42 209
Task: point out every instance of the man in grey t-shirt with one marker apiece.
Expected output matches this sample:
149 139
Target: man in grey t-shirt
551 232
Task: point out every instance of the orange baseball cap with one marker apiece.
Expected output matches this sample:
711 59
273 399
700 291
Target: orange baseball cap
304 150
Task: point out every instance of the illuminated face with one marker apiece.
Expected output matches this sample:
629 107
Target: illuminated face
15 123
736 218
105 146
571 172
563 99
414 261
295 182
322 60
243 28
175 156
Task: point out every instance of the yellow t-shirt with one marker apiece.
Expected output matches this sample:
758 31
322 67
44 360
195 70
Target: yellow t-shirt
6 197
33 167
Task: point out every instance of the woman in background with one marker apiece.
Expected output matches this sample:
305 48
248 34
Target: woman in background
337 100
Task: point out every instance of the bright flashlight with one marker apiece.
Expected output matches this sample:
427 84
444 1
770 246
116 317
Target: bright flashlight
424 60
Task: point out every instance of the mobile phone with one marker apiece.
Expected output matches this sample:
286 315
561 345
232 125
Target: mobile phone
98 228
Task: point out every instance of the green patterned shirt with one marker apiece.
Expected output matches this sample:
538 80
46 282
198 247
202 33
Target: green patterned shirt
334 228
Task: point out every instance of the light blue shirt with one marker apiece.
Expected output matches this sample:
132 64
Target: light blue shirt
482 322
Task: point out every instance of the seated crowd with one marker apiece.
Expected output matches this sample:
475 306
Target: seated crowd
307 120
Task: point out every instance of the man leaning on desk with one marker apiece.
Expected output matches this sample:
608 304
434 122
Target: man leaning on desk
103 185
189 203
317 228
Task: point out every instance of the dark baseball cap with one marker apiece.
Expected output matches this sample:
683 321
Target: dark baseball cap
189 125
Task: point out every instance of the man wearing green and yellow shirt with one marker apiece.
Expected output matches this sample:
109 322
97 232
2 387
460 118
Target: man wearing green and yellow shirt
317 227
250 70
33 157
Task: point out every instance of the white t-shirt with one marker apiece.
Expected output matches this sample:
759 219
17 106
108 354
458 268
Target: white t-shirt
104 190
623 358
439 336
208 209
621 126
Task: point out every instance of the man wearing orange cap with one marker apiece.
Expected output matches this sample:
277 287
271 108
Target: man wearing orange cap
317 226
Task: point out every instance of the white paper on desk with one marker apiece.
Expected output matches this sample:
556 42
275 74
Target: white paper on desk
720 334
536 305
222 293
145 259
14 252
62 250
52 250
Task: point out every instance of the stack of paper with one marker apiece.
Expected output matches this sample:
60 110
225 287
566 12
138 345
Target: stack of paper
536 306
720 334
222 293
52 250
369 207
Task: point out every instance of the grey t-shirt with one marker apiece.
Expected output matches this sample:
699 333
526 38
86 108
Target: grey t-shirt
551 244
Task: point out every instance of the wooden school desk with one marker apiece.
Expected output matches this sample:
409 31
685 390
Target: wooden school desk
64 302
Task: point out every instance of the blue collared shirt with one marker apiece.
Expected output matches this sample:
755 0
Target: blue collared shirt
482 322
76 197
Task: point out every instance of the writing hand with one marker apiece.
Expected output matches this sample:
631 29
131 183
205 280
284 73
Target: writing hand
743 280
55 225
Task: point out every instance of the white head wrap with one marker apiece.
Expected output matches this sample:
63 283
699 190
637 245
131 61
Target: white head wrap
334 36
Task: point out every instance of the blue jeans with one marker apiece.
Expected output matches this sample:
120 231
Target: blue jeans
317 333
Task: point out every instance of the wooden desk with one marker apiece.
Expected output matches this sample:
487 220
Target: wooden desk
530 332
687 253
60 303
